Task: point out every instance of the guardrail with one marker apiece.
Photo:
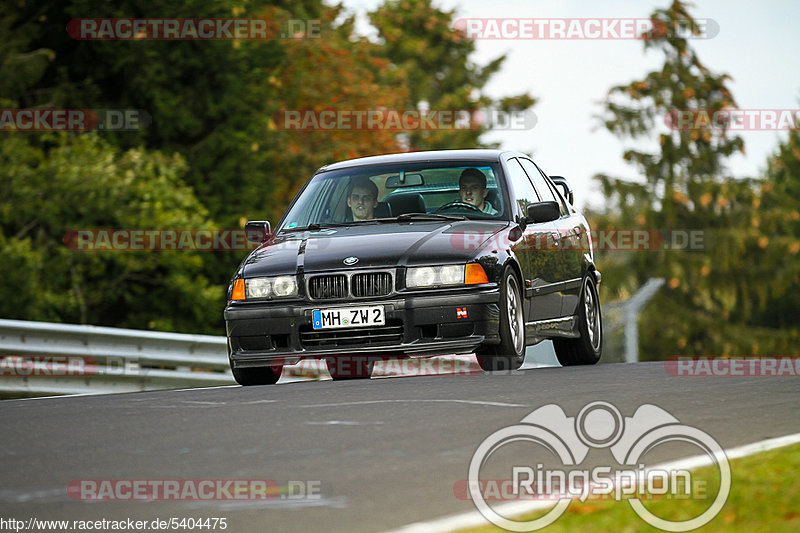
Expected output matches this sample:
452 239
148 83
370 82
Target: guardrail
42 359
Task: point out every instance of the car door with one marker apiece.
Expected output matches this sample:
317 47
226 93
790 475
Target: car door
533 250
567 242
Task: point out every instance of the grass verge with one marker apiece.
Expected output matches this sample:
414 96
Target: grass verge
765 496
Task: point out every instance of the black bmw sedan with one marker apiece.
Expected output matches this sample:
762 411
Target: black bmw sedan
415 254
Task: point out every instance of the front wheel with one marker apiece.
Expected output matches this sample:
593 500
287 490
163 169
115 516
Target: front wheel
586 349
510 353
260 375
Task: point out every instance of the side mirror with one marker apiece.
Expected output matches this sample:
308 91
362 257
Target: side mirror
257 230
566 190
543 212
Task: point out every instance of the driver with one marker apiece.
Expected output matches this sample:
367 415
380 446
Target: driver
362 199
472 190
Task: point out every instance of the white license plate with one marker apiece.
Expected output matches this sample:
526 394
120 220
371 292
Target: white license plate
347 317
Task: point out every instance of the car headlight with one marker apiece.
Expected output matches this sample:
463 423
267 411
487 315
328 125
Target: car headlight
435 276
284 286
257 287
420 277
277 287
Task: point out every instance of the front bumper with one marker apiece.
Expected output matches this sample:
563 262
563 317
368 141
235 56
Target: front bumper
261 334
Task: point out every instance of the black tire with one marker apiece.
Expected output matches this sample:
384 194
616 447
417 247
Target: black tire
509 354
587 349
259 375
350 367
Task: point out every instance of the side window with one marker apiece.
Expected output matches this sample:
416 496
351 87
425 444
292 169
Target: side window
542 186
538 181
521 185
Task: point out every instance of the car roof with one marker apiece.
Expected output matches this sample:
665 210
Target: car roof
420 157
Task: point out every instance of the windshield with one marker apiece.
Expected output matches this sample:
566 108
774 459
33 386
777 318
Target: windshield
441 190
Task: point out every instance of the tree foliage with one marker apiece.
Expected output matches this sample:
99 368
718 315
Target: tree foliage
83 182
212 155
748 261
435 59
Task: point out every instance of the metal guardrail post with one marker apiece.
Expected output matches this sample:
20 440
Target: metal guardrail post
633 308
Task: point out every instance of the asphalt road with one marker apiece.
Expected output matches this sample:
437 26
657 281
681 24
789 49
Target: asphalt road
378 454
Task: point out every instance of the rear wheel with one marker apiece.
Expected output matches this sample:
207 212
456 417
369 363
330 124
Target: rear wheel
260 375
510 352
354 367
586 349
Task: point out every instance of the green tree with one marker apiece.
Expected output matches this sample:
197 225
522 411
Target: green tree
212 155
83 182
778 221
713 292
434 57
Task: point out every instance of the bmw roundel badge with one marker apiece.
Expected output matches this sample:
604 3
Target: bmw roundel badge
352 260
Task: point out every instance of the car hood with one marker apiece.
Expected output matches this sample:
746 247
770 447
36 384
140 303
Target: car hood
375 246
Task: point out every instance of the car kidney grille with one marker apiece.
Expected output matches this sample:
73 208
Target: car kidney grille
328 287
371 284
358 285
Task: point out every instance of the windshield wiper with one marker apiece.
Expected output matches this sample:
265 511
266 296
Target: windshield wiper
433 216
316 226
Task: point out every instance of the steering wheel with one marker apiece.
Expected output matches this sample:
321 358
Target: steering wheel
457 204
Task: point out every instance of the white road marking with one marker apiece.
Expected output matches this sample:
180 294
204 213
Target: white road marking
339 502
76 395
475 519
203 404
343 423
367 402
200 388
81 394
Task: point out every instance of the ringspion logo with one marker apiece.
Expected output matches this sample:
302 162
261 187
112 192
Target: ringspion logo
598 425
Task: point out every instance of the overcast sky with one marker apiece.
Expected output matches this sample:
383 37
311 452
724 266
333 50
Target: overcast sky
758 45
